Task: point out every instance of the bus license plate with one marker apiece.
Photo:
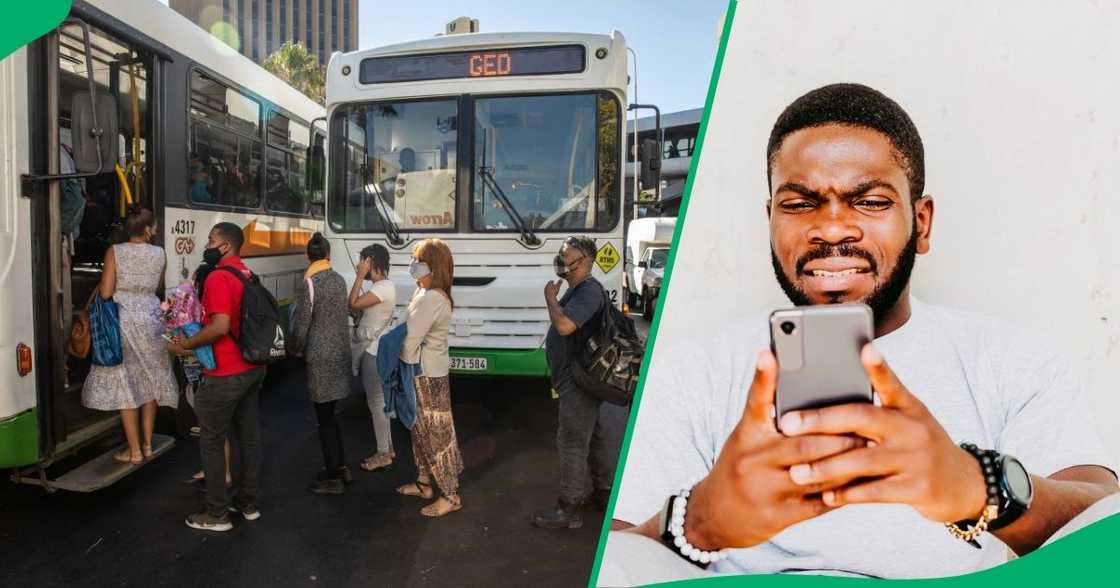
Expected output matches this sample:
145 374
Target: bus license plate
469 364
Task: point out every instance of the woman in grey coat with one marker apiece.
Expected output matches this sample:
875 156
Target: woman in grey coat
320 333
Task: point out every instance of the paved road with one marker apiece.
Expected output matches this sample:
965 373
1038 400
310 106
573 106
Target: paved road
133 533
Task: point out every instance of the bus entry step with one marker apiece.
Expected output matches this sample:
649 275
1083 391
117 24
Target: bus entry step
103 470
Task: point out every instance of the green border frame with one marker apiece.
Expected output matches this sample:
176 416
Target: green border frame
1084 558
717 67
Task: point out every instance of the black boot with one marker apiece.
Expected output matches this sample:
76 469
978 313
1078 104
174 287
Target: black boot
565 516
599 500
343 473
328 486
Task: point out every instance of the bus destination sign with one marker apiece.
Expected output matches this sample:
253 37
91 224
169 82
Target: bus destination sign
524 61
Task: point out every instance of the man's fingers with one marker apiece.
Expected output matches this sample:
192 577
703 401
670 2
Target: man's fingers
760 398
805 449
840 469
866 420
808 507
890 390
882 490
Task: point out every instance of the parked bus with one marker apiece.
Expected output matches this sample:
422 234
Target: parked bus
502 145
129 102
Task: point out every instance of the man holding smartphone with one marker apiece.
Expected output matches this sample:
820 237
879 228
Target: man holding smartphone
980 427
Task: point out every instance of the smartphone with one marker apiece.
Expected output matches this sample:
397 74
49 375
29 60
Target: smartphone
818 351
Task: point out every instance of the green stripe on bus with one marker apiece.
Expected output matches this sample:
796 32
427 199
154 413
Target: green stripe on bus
19 439
506 362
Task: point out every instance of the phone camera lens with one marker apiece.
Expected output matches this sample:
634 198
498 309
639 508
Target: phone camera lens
788 327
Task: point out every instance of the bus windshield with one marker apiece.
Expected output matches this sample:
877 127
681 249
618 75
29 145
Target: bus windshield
551 158
398 162
543 163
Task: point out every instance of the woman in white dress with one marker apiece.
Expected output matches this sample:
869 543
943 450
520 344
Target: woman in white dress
376 306
132 273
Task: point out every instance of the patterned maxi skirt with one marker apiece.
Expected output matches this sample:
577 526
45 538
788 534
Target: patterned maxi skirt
434 445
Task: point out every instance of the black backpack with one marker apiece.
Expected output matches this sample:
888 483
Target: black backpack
261 340
609 365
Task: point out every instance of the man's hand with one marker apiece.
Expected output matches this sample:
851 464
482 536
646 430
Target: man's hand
910 458
749 495
176 346
552 289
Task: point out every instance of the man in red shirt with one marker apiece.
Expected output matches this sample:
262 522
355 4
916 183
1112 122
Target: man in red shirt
228 399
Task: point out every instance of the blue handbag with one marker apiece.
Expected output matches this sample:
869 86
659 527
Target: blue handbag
105 332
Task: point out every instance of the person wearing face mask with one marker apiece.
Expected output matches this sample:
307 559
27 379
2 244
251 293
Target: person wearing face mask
434 444
320 328
376 306
132 273
585 462
228 399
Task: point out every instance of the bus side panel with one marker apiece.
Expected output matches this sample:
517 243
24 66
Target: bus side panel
19 439
19 424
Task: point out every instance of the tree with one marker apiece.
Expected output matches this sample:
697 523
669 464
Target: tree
293 64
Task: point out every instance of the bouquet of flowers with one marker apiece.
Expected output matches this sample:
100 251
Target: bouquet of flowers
181 314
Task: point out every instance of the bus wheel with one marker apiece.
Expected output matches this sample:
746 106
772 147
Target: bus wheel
647 308
631 298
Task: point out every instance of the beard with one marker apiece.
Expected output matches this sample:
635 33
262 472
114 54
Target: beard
885 295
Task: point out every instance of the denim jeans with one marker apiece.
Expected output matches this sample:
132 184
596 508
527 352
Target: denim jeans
230 406
589 437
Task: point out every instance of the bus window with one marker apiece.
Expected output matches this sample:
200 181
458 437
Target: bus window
284 185
225 149
214 102
397 162
552 157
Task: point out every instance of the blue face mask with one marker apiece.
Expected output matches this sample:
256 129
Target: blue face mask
418 269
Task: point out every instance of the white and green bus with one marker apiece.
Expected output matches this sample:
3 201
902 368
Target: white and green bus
500 144
129 102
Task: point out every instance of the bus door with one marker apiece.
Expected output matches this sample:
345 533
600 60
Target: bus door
96 130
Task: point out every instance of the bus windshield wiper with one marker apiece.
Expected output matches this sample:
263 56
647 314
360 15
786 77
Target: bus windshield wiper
392 231
527 234
488 179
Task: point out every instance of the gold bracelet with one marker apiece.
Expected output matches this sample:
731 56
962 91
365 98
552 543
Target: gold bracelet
973 531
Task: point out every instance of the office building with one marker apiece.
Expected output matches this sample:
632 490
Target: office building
256 28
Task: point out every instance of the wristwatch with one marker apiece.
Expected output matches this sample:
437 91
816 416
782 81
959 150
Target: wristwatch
1016 490
1009 486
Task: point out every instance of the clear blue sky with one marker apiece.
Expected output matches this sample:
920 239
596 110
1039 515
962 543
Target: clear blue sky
676 41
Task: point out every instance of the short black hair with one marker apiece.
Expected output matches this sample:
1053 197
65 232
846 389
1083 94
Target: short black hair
585 245
858 106
318 247
232 233
136 220
378 256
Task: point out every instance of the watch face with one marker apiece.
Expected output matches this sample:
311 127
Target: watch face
1017 479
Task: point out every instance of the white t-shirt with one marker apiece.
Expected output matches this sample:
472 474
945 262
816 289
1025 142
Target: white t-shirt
375 319
986 383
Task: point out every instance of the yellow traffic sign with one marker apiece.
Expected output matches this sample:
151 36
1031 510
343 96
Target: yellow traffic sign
607 258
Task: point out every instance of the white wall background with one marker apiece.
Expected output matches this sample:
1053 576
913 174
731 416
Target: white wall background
1018 104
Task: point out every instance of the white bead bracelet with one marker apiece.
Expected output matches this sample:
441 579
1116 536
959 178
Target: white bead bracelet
676 529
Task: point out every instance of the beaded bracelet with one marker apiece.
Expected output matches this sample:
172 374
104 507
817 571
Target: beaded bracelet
676 529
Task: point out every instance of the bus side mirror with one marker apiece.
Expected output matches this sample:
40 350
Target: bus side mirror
94 131
650 155
643 264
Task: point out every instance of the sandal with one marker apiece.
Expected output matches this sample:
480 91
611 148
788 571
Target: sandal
442 506
377 462
418 489
199 477
125 456
146 451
